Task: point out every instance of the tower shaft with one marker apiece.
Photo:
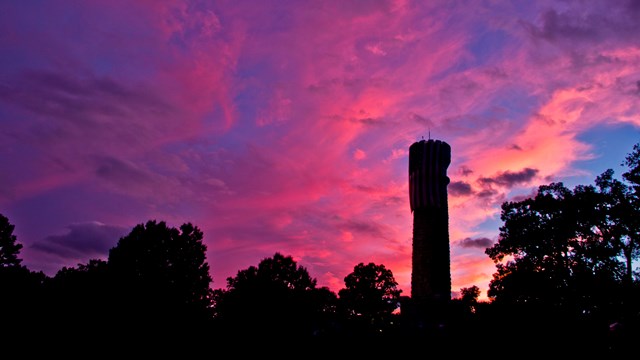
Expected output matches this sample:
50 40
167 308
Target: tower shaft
430 276
428 181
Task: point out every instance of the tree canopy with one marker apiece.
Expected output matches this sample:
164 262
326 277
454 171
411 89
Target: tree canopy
162 272
571 249
21 290
370 295
276 298
9 247
469 295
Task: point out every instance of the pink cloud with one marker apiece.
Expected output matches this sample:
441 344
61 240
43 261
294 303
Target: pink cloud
359 154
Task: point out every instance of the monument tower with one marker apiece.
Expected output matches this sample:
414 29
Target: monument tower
428 181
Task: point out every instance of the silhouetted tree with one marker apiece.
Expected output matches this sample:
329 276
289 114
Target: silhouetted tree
370 297
559 245
631 248
9 247
468 301
470 295
568 254
466 318
76 294
537 235
276 298
20 289
632 161
160 275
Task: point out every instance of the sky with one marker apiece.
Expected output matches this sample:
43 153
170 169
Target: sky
284 126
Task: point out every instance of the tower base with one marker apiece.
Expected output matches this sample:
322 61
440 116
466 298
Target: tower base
424 316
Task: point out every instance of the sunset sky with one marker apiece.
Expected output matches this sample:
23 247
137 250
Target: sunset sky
284 126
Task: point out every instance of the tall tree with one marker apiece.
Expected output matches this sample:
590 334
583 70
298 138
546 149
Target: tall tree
631 248
161 273
615 227
21 290
572 249
536 240
370 296
9 247
632 162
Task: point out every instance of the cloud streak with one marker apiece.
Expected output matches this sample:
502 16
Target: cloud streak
510 178
481 243
82 242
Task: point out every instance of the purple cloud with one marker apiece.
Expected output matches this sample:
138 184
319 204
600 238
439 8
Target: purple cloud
83 241
459 188
509 178
599 21
480 243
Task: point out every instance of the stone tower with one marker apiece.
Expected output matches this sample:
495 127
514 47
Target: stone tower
428 181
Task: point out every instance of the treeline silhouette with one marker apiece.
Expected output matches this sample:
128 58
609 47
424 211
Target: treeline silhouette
564 280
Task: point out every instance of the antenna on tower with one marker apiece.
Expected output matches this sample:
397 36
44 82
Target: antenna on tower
429 133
